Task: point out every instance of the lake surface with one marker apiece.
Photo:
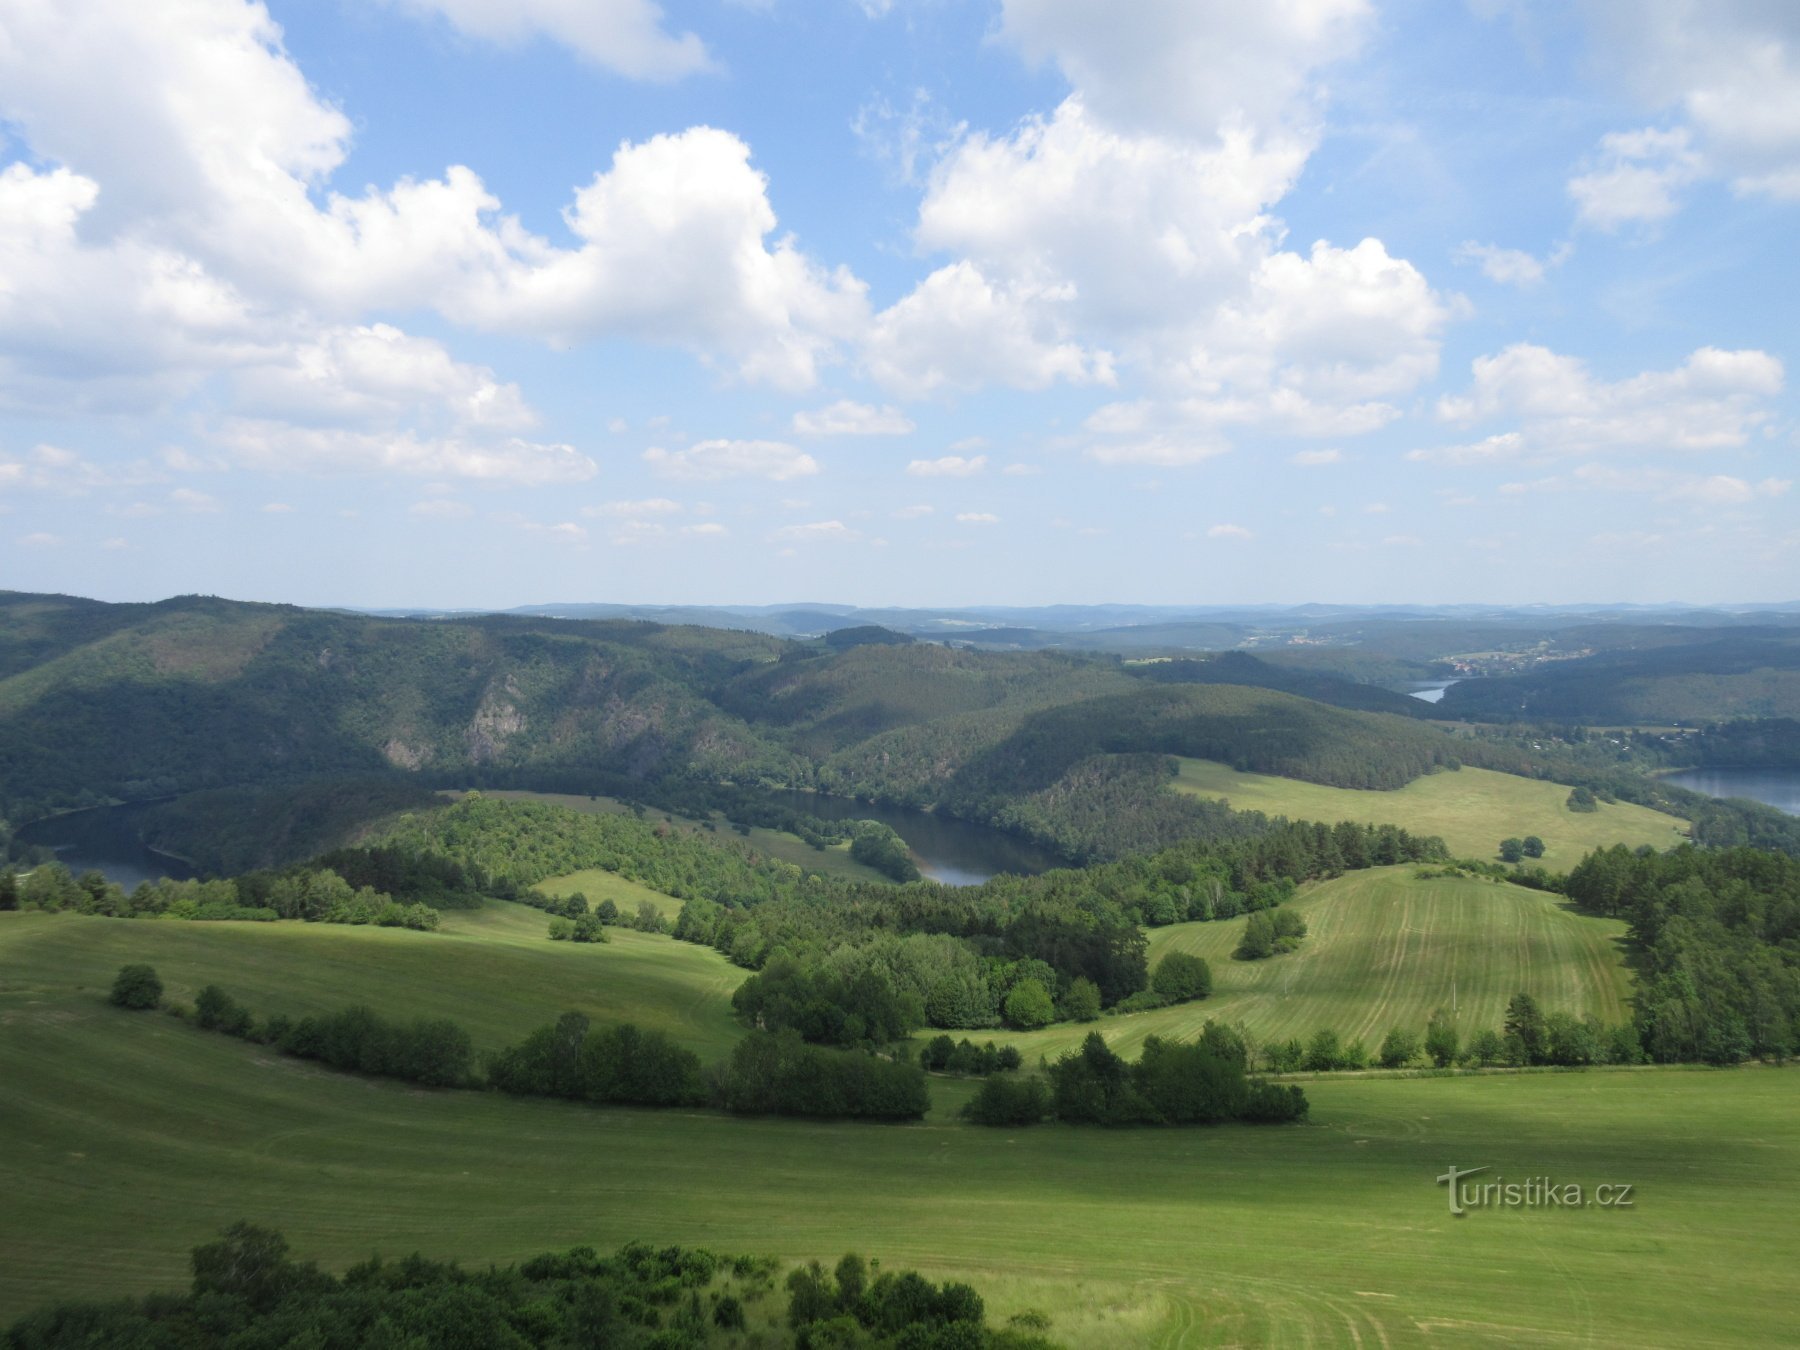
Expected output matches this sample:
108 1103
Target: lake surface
1432 692
104 840
1779 788
952 852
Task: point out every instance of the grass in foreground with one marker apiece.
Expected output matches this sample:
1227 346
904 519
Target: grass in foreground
1472 810
125 1138
1384 949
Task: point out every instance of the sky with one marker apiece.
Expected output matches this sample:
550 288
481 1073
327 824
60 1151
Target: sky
479 303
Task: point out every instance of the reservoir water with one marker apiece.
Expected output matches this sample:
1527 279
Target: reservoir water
1779 788
104 840
1432 692
952 852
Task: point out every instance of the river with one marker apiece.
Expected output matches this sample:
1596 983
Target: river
952 852
1432 692
104 840
1779 788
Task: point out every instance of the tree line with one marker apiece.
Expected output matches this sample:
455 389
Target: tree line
314 895
247 1291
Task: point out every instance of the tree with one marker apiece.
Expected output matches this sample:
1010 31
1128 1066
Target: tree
1399 1048
1009 1101
1534 847
1525 1020
1029 1005
1486 1048
1441 1039
1082 1002
1512 850
1582 799
1323 1052
1182 977
136 987
1258 940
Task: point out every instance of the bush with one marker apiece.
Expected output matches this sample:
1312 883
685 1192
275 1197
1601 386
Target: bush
1029 1005
1082 1002
1181 977
1399 1049
1009 1101
136 987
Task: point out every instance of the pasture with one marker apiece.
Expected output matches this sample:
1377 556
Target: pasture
493 970
1384 949
1472 810
126 1138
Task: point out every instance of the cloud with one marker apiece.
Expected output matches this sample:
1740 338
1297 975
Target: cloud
1228 531
281 447
276 509
1511 266
977 518
194 502
39 539
227 225
1313 459
773 460
440 508
55 468
1635 179
1714 400
558 532
818 531
958 330
706 529
911 512
1665 484
846 418
624 36
630 510
947 466
1022 470
1730 67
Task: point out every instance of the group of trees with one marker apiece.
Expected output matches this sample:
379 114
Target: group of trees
1529 1036
623 1065
315 895
1718 936
1271 933
777 1073
1202 1082
248 1291
1515 850
943 1055
433 1052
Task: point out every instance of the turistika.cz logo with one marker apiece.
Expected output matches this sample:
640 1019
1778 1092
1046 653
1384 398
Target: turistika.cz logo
1497 1192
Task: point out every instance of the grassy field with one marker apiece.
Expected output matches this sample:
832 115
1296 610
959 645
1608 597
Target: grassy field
493 970
1383 949
1472 810
833 861
597 884
126 1138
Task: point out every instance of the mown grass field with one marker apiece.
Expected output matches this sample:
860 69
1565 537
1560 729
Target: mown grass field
127 1138
1472 810
1384 949
493 970
833 861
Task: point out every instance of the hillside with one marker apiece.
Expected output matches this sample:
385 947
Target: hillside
132 1137
1384 949
1471 810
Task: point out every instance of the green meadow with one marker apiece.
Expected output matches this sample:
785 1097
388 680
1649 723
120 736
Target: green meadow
494 970
130 1137
1383 949
1472 810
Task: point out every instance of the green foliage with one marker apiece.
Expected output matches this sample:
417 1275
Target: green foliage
1512 850
614 1065
137 988
1203 1082
876 845
1182 977
1581 799
248 1291
1028 1005
1531 846
779 1074
1399 1048
1258 941
1003 1101
1081 1001
1441 1039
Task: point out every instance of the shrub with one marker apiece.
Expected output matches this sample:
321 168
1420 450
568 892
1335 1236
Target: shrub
136 987
1181 977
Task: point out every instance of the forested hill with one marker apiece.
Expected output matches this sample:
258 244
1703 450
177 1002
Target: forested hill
130 702
1711 677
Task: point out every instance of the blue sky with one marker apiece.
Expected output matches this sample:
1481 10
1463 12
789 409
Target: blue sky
491 302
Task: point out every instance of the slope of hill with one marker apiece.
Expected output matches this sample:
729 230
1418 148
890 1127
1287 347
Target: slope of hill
1471 810
1383 949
